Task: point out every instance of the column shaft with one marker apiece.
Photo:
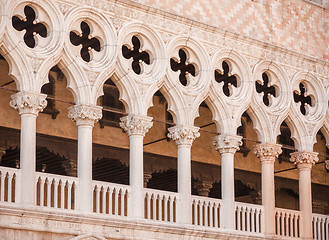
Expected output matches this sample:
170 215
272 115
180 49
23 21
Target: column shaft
85 168
28 158
305 201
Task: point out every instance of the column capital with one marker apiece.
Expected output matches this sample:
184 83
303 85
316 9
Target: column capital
304 159
136 124
227 143
28 103
85 115
267 152
202 188
183 134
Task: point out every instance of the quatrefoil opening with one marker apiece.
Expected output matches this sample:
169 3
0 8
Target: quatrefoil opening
138 55
304 99
227 78
183 66
30 24
266 88
87 41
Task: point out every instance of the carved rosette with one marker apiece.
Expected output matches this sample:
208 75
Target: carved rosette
304 159
85 115
227 143
267 152
183 135
135 124
28 103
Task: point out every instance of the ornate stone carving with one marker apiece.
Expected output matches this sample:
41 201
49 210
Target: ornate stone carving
147 177
267 151
202 188
327 165
70 167
304 159
28 103
85 115
227 143
183 135
136 125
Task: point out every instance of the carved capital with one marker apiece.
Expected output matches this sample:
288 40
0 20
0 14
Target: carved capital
227 143
147 177
28 103
136 125
267 152
327 165
304 159
183 135
70 167
85 115
202 188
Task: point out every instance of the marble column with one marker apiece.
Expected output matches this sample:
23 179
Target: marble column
184 136
227 145
304 162
28 106
85 117
136 126
267 153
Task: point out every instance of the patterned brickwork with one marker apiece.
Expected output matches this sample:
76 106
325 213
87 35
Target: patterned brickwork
293 24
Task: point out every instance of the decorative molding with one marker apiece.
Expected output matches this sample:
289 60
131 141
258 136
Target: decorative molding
136 124
183 134
227 143
267 152
85 115
304 159
28 103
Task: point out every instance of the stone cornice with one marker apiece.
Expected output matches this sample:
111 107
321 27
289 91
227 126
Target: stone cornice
227 143
85 115
135 124
183 135
28 103
267 152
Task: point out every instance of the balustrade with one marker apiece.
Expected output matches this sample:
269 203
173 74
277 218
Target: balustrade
206 212
160 205
288 222
249 218
56 191
9 184
320 227
110 198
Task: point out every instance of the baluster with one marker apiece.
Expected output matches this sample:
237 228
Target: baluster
211 214
287 216
217 223
160 207
69 193
3 177
154 208
116 202
291 225
252 221
97 198
122 203
110 201
62 194
277 219
322 228
282 224
201 212
258 220
317 229
56 182
327 228
171 208
42 191
248 218
103 200
205 214
296 220
243 210
148 205
49 182
10 176
165 201
195 212
238 220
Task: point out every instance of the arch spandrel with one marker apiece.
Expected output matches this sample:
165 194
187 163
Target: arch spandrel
304 127
188 78
271 100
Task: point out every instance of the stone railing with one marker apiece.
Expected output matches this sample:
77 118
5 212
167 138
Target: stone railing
160 205
111 199
288 223
56 191
9 185
249 217
206 212
320 227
